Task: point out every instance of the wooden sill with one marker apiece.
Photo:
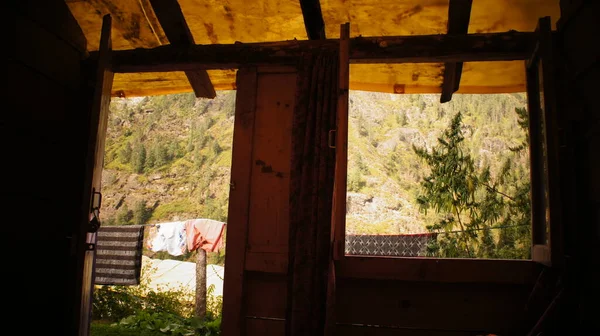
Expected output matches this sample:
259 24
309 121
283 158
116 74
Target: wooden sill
439 270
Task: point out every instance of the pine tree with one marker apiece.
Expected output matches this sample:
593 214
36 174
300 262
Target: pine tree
481 215
141 213
139 158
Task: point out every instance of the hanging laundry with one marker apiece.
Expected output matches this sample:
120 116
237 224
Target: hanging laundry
119 255
152 231
206 234
170 237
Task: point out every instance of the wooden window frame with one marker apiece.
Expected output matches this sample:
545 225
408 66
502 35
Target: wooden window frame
467 269
544 149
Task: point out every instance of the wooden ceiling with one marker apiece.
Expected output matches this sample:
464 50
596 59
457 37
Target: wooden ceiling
154 23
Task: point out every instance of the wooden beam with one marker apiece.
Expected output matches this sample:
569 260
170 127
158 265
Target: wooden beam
459 13
313 19
171 19
508 46
439 270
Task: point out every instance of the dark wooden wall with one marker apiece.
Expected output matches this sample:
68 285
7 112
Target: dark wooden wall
43 140
43 132
579 52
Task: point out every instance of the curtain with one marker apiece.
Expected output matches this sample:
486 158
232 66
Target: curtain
311 192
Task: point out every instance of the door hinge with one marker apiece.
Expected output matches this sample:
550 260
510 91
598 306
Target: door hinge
94 223
331 138
96 200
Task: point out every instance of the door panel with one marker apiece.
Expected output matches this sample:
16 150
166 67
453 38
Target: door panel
255 286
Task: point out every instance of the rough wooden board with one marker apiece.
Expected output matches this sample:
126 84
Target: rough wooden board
440 270
421 305
237 231
267 295
268 226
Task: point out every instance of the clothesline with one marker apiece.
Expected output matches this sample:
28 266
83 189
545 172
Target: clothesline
119 248
179 237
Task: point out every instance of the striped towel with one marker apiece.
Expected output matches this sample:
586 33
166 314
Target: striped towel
119 255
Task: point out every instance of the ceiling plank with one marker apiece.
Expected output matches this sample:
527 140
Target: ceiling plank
173 23
507 46
459 14
313 19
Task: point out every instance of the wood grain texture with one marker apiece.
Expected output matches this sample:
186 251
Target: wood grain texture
237 230
313 19
173 22
483 271
482 308
270 179
383 49
341 147
95 162
459 13
266 296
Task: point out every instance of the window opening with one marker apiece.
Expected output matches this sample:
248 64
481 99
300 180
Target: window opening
438 180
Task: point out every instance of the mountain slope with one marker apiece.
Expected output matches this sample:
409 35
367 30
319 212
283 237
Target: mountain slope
168 157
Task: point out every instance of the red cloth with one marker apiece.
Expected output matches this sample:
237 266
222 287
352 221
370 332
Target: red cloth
203 233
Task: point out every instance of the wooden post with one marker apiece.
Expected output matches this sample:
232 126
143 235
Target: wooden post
341 147
200 283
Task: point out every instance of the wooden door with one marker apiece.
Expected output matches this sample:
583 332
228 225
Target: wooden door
93 179
255 281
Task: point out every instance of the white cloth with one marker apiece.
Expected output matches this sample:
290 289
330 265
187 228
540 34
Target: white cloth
170 237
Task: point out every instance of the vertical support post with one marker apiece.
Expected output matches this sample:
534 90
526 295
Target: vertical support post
200 283
341 147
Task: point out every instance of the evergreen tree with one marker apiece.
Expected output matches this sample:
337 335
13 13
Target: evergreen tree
481 215
124 216
125 153
141 213
139 158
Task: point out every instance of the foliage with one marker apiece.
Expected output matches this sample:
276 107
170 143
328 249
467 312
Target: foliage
139 157
98 328
117 302
356 182
148 311
482 215
141 213
180 206
124 216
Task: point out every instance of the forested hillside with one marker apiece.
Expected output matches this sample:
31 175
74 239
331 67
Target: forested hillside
169 157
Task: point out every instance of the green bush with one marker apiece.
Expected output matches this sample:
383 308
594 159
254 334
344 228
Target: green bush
114 329
114 303
142 310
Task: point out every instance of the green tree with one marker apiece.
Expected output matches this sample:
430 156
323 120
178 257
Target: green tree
124 216
141 213
481 215
125 153
139 158
216 148
355 180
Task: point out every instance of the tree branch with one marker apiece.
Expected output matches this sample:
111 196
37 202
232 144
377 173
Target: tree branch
462 228
499 192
